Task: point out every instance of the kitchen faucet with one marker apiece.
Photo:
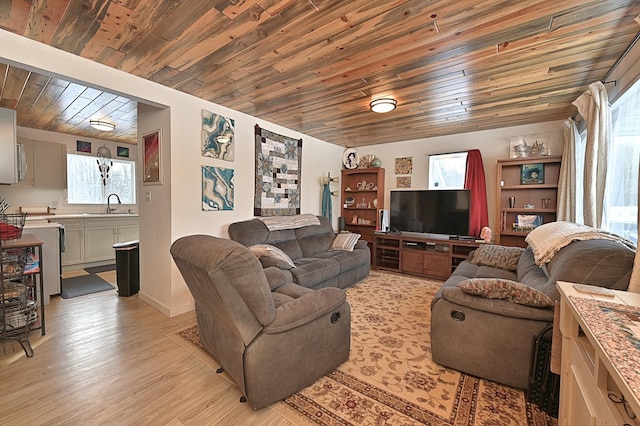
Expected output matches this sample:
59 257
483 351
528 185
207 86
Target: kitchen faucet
109 209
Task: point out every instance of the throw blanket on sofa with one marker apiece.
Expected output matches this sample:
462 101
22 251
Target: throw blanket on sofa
276 223
546 240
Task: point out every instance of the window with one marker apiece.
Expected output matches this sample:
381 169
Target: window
621 193
85 184
447 171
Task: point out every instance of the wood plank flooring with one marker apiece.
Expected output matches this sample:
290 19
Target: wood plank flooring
111 360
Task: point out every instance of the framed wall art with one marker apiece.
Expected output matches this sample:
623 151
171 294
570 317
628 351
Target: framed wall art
82 146
152 158
218 136
532 174
217 188
122 151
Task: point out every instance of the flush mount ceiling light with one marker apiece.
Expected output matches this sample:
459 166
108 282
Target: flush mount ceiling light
383 105
105 126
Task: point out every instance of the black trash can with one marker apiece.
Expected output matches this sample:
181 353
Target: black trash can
128 267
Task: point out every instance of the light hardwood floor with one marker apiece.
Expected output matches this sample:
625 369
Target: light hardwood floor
113 360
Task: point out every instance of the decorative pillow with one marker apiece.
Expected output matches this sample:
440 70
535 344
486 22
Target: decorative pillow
497 288
345 241
497 256
269 251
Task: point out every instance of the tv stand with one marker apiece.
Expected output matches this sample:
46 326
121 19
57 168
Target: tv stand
420 254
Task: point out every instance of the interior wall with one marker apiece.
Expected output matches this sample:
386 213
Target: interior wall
493 145
180 214
29 196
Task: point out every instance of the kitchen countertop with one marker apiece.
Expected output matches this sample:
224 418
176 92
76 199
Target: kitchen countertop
49 221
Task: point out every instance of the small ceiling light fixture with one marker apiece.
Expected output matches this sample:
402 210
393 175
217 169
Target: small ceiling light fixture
105 126
383 105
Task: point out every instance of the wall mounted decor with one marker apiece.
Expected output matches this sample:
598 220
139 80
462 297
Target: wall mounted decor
532 174
218 136
82 146
403 181
217 188
404 165
122 151
152 158
278 173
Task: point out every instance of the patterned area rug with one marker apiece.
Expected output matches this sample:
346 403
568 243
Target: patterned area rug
390 379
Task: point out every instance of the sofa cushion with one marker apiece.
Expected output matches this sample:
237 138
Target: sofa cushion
495 288
316 238
280 258
310 272
497 256
345 241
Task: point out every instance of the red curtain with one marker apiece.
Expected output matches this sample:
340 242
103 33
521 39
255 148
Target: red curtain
475 181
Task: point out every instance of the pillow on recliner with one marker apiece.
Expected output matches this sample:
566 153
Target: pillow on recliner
272 256
497 256
498 288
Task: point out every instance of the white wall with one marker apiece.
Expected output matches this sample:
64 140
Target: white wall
24 196
175 209
493 145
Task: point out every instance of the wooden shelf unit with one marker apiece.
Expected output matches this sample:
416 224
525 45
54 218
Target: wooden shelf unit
422 255
362 216
509 185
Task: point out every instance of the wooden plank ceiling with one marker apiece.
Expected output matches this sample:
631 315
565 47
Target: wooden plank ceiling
314 65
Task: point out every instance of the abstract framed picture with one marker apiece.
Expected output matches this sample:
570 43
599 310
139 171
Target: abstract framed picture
403 181
218 136
152 158
532 174
217 188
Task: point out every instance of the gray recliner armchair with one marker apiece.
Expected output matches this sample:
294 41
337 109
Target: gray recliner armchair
271 336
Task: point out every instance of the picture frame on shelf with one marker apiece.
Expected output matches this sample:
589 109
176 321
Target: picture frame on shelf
532 174
350 159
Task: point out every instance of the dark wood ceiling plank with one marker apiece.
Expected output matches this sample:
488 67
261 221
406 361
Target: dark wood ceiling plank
14 15
233 9
146 14
44 19
104 29
13 87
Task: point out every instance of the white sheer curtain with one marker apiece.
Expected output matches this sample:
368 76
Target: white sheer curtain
593 106
570 194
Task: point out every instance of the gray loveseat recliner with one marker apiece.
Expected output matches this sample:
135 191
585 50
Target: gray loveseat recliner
308 247
492 338
270 335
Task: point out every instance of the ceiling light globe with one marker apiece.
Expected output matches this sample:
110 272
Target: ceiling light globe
383 105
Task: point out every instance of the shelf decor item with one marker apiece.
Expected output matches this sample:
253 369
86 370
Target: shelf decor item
350 159
532 174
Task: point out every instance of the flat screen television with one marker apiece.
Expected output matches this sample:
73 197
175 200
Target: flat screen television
443 211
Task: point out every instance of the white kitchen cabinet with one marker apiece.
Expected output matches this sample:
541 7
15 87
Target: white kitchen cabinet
128 232
49 165
91 240
74 241
8 147
99 242
45 164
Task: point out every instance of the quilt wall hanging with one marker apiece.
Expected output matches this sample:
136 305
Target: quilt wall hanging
278 173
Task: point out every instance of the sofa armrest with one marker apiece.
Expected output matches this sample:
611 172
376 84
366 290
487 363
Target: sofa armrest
306 308
496 306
